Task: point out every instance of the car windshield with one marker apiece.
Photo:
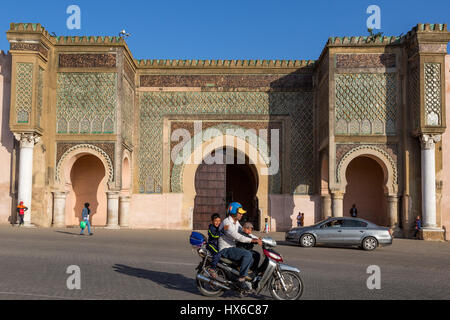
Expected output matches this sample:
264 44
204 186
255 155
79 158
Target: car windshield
315 225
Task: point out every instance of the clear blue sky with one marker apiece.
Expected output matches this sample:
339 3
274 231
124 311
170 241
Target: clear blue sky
245 29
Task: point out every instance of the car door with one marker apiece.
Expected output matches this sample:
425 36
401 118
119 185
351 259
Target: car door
352 231
330 232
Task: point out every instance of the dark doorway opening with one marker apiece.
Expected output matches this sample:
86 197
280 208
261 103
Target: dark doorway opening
217 185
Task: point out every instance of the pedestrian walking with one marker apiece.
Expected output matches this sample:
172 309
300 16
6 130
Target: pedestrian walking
21 211
354 211
85 216
417 226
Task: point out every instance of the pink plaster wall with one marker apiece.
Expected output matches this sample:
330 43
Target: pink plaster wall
365 188
159 211
6 139
284 209
446 156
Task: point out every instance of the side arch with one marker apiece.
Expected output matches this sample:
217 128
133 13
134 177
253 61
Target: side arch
76 152
380 156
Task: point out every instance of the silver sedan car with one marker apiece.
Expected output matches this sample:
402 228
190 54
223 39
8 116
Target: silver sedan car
342 231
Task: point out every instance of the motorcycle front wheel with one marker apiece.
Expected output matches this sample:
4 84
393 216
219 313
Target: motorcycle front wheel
293 283
209 290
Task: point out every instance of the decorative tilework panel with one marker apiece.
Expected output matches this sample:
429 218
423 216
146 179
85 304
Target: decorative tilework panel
155 105
414 95
86 97
24 92
127 112
40 96
366 102
433 94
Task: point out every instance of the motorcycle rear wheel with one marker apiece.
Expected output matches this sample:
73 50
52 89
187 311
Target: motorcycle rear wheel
210 290
293 283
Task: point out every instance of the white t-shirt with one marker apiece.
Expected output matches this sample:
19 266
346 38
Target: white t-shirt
228 240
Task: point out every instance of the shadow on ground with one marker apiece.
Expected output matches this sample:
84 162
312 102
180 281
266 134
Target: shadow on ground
169 280
328 246
69 233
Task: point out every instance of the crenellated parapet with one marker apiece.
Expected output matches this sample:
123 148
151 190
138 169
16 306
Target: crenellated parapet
175 63
360 40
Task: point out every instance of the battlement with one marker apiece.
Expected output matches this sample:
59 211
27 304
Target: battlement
90 40
435 28
176 63
360 40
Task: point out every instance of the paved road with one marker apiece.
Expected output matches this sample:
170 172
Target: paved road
154 265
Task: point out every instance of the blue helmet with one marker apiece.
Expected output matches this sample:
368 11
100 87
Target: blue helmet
235 208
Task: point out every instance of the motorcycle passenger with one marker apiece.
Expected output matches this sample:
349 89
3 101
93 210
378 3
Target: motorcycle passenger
215 230
227 243
247 230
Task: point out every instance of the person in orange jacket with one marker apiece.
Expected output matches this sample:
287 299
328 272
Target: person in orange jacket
21 211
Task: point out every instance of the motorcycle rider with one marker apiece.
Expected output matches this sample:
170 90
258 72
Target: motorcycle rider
247 230
227 242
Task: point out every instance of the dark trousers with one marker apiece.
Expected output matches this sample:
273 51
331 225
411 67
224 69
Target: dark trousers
215 259
21 220
256 257
238 254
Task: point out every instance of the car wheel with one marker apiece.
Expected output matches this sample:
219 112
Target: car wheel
369 244
307 241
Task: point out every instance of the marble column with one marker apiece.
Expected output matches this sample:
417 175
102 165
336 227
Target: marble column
25 183
326 206
393 214
428 143
124 211
59 209
337 204
112 221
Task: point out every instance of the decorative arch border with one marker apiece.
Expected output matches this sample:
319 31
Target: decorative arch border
189 171
388 165
126 154
90 149
176 179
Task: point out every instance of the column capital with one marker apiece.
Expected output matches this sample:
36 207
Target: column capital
113 194
427 141
393 197
337 195
125 198
27 139
60 194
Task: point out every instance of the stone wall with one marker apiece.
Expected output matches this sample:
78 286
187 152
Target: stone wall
6 140
446 156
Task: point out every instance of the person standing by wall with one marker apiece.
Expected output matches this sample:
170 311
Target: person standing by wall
21 211
300 219
354 211
85 216
417 226
266 226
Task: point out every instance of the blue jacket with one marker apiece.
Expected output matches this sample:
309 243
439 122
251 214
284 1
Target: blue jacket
213 238
85 213
418 224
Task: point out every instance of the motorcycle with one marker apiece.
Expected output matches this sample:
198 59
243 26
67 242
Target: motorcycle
283 281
